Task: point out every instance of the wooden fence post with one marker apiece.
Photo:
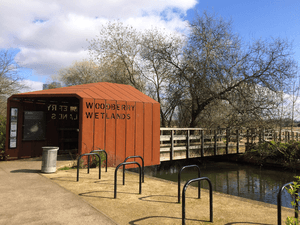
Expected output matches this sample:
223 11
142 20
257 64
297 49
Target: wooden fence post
227 140
237 142
172 146
215 143
259 136
188 144
252 135
248 140
202 143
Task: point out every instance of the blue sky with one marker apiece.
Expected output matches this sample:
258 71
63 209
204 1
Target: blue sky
49 35
254 19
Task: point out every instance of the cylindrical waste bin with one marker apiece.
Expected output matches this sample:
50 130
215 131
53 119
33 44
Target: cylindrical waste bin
49 159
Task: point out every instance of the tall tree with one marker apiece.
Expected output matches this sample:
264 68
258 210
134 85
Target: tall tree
217 67
158 73
82 72
126 55
116 49
10 78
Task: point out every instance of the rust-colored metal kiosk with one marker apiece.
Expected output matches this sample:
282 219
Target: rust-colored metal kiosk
114 117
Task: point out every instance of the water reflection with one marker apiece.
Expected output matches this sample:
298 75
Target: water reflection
234 179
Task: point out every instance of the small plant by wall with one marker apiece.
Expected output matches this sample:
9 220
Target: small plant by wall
95 160
293 191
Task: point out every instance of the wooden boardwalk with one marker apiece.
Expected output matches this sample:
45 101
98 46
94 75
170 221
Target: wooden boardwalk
184 143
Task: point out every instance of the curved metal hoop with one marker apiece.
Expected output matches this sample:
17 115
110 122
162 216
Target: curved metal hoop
88 154
140 177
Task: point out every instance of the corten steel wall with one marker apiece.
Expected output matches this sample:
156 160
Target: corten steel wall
126 127
114 117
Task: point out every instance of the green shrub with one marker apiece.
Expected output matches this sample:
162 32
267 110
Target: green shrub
293 191
95 160
287 154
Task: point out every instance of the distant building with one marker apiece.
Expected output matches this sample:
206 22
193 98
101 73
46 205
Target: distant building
52 85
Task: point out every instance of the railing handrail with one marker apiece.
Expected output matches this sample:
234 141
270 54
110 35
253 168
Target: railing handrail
169 128
210 197
88 154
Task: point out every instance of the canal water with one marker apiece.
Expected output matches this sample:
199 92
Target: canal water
252 182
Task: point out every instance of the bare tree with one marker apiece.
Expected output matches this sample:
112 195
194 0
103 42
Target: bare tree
126 55
10 78
217 67
294 98
289 101
82 72
116 49
157 72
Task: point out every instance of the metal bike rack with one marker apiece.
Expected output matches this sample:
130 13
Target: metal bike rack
88 154
179 179
279 203
116 170
100 150
210 197
130 157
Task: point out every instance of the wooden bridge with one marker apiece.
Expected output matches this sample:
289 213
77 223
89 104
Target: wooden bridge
184 143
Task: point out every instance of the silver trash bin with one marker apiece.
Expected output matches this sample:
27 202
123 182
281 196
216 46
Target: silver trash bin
49 159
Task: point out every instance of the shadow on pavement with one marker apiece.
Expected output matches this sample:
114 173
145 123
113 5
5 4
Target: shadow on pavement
162 217
119 182
90 194
63 179
151 196
247 223
25 171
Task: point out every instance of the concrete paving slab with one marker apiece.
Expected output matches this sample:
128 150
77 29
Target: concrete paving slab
158 202
28 198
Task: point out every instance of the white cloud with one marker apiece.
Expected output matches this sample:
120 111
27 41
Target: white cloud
52 34
31 86
48 61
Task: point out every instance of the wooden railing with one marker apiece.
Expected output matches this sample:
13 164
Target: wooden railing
184 143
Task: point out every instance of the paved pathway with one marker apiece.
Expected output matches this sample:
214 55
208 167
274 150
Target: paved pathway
27 197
